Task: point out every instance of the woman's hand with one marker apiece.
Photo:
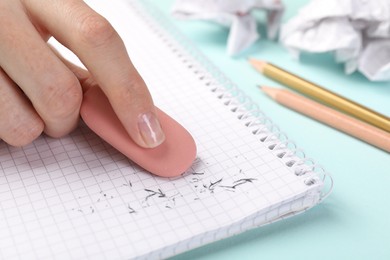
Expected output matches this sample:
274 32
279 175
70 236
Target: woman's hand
41 92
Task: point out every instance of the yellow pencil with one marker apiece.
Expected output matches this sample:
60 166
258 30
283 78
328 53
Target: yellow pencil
331 117
321 94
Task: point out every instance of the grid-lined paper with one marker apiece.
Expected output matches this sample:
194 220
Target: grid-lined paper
77 197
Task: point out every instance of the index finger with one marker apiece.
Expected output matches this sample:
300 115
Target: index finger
92 38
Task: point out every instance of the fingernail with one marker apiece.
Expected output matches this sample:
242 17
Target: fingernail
150 130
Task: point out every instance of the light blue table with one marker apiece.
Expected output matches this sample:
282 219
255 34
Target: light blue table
354 222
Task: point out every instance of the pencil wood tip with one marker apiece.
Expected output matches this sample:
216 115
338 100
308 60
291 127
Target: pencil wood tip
272 92
257 64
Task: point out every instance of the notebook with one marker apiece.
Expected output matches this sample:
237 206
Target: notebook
77 197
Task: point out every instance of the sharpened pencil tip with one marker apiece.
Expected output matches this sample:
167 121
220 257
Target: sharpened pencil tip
272 92
257 64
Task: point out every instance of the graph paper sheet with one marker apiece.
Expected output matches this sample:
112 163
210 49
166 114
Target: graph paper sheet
77 197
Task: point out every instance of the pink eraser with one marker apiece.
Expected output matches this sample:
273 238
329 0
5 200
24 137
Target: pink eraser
173 157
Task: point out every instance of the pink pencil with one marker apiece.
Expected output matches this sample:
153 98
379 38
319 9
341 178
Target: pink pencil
333 118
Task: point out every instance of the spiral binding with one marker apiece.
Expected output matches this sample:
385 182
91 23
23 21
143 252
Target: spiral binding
232 97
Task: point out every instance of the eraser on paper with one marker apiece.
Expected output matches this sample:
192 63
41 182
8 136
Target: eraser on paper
171 158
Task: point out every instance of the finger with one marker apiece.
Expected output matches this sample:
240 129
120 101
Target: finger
85 78
83 75
53 89
101 50
19 123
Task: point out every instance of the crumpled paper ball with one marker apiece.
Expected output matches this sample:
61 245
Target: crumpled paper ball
234 14
356 31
